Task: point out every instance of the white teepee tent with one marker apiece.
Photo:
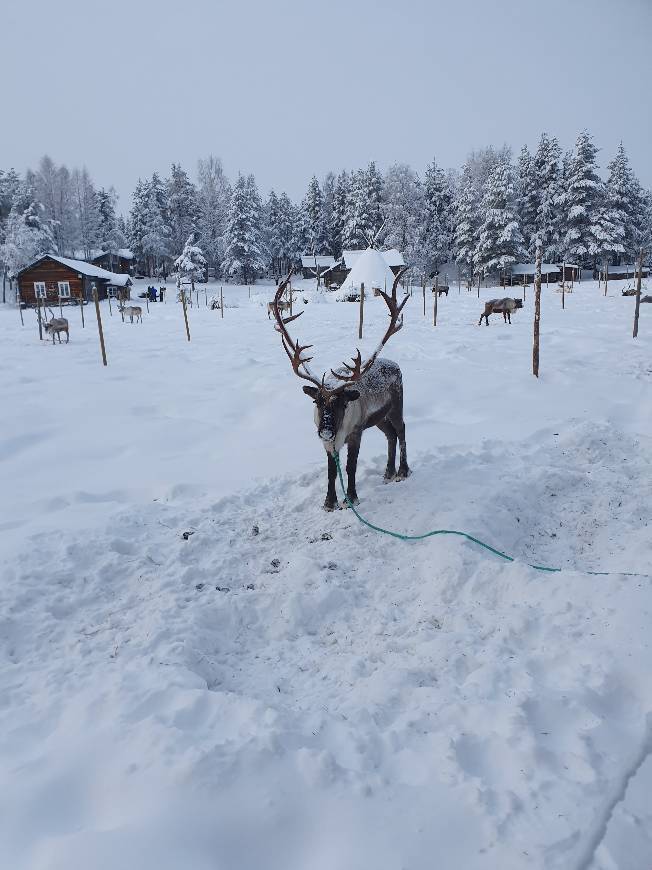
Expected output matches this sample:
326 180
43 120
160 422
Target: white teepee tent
369 269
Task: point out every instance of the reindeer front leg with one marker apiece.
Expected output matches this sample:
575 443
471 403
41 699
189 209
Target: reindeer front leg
351 467
331 499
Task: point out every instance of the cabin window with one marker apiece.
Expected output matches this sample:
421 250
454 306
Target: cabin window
64 289
39 290
112 291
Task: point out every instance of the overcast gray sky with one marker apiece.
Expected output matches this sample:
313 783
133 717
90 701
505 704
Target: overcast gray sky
286 89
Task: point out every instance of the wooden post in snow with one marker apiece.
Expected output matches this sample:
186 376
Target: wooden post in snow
537 313
424 295
81 305
638 294
434 307
606 276
40 320
361 319
20 308
563 294
99 323
478 285
110 309
185 309
221 302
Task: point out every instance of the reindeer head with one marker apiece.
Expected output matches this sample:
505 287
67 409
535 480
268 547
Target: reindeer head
333 397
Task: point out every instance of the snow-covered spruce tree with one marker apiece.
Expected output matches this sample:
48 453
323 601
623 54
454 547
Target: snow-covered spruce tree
54 190
529 199
316 230
356 214
244 256
547 178
191 264
213 199
183 208
88 212
467 220
403 206
156 236
373 187
109 236
437 228
271 232
625 201
9 186
500 243
340 201
285 230
27 234
582 203
328 206
137 223
300 233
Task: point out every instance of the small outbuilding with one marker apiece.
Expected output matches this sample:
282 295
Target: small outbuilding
624 272
121 261
523 273
54 280
310 264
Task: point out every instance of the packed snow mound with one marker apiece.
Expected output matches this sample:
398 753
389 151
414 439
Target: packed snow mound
369 269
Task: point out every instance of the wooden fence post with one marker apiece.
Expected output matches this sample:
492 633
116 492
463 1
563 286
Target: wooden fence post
20 308
434 307
99 323
537 313
638 294
109 298
424 296
185 310
221 303
606 277
361 310
40 321
81 305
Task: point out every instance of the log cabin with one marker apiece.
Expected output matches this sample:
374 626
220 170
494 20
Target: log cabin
121 261
54 279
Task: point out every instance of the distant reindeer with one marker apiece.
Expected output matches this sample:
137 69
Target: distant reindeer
500 306
55 326
441 290
629 292
131 311
283 305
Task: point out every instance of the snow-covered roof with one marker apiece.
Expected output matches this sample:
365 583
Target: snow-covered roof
92 271
530 268
370 269
308 261
626 268
123 253
392 257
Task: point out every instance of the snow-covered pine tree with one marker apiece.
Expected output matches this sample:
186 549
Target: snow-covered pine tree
191 264
500 243
54 190
243 256
582 204
271 232
403 205
313 208
27 234
213 200
467 220
285 231
182 205
328 210
373 186
340 201
109 237
625 201
156 235
356 217
437 225
547 178
529 199
88 213
137 222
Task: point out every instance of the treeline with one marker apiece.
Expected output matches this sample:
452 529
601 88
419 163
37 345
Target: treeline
485 216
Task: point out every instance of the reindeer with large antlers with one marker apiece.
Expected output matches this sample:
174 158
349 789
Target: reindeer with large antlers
354 398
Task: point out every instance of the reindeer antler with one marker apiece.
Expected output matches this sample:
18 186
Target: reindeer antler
297 361
354 372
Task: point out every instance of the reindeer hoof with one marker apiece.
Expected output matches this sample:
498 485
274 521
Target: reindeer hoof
330 507
389 476
403 474
348 501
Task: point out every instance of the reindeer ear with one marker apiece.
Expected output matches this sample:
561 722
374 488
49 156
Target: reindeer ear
311 391
350 395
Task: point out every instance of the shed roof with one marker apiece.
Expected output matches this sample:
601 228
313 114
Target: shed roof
123 253
530 268
392 257
323 261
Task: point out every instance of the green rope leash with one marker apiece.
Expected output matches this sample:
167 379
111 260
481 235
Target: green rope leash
460 535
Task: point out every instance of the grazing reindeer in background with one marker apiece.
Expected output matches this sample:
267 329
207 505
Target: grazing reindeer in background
131 311
55 326
353 399
500 306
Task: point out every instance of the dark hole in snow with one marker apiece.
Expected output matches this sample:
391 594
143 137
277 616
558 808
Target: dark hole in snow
199 587
223 588
255 531
186 535
327 536
276 563
250 586
332 566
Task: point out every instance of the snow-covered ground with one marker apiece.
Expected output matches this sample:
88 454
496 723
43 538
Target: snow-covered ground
284 688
